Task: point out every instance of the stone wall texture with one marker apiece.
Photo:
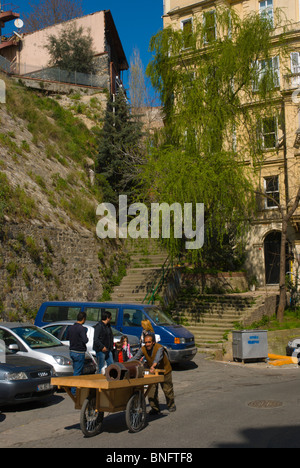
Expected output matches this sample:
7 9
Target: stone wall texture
40 263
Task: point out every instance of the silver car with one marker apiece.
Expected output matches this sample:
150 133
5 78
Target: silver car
59 330
29 340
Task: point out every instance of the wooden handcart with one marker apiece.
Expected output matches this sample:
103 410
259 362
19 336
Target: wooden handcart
96 395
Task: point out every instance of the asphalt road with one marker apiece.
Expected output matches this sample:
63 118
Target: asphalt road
219 405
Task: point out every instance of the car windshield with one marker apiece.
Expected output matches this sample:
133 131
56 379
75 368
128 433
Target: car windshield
36 338
159 317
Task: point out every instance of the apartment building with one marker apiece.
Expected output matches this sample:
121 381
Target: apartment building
280 171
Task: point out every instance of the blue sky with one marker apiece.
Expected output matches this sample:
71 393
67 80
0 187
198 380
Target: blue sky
136 21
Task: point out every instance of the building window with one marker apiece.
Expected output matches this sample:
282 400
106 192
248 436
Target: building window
266 10
269 133
295 69
187 31
265 71
272 192
210 26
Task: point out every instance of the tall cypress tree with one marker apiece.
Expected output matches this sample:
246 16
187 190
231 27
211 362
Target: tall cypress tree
120 142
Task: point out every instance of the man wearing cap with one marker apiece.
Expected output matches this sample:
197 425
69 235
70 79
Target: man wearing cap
156 358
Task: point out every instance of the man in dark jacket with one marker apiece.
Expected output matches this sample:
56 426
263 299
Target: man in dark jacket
103 341
77 336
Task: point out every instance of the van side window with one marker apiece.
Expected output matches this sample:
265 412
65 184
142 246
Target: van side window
95 313
114 314
57 313
133 317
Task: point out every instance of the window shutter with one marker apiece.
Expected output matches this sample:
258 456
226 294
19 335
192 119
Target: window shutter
294 62
295 68
276 71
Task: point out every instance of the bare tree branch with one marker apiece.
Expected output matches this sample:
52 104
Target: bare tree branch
49 12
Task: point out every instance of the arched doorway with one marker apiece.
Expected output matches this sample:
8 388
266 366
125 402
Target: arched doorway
272 246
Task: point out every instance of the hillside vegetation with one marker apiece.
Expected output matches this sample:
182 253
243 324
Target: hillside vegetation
46 153
48 198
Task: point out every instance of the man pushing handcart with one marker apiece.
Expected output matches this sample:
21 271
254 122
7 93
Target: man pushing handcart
123 387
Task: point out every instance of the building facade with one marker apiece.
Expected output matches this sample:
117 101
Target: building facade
29 57
280 171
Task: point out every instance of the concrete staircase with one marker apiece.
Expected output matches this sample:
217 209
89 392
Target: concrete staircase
208 317
146 261
211 317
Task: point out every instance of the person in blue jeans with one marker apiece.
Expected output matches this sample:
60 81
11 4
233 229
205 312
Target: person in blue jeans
77 336
103 341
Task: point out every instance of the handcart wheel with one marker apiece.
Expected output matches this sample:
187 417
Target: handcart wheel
90 419
136 412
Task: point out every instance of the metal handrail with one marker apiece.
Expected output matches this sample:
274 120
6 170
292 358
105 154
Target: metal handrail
291 273
156 285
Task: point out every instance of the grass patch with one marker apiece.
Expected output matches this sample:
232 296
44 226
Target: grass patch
61 137
49 122
291 320
14 202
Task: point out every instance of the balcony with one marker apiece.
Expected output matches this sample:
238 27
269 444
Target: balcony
8 42
6 16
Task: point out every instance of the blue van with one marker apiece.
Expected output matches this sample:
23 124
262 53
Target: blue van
127 318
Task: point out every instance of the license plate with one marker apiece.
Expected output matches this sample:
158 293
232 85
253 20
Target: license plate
44 387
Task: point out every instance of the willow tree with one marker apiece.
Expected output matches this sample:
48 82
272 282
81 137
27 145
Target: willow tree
210 141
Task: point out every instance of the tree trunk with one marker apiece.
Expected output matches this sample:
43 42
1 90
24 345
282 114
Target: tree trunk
282 286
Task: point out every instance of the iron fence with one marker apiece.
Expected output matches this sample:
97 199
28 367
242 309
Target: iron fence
54 74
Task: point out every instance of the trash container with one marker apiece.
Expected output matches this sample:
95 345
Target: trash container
249 344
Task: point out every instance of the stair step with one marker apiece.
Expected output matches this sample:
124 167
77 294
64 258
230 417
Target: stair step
209 327
146 258
142 268
208 318
205 329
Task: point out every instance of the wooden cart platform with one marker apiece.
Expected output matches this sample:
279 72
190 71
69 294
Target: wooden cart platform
96 395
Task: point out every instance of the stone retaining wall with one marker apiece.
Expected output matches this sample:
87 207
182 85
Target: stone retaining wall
39 263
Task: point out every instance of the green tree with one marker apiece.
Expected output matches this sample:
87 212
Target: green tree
72 50
120 147
204 81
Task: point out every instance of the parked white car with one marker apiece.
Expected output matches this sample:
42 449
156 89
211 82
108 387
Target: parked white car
29 340
59 330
